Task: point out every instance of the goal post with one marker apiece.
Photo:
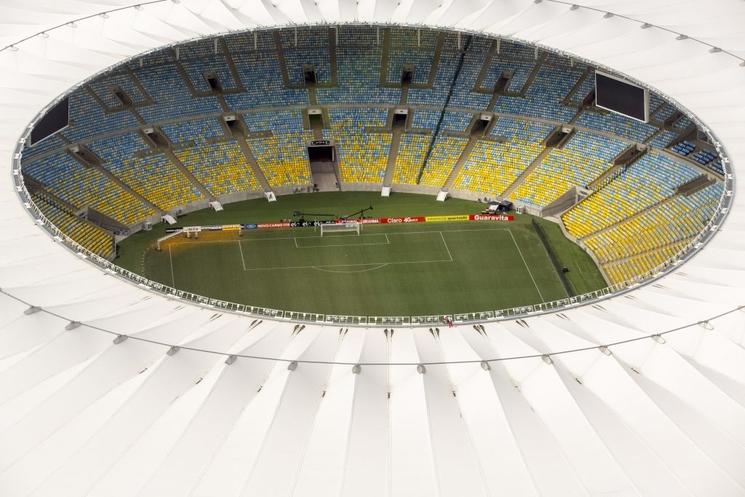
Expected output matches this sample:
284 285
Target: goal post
343 227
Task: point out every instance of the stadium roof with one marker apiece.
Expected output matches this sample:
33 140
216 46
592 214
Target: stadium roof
596 400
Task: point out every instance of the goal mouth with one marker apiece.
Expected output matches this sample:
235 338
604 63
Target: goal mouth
341 227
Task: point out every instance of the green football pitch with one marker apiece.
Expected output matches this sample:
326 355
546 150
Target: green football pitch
401 269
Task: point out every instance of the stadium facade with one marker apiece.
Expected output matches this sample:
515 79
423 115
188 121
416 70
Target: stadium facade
108 388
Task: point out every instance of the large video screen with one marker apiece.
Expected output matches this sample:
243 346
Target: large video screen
54 120
619 96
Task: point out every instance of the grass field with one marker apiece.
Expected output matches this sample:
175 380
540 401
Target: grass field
406 269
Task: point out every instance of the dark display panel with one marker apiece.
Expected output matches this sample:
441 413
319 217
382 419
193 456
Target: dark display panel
620 96
54 120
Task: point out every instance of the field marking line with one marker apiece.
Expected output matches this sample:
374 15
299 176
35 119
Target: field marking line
446 246
387 240
381 266
345 265
556 270
264 239
526 266
170 259
243 261
336 244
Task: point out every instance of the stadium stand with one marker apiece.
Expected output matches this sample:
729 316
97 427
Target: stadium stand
491 167
445 151
584 158
363 157
358 117
410 158
645 183
276 121
86 187
544 91
310 48
283 158
171 95
198 131
90 236
220 167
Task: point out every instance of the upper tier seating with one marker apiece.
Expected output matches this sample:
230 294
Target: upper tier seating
276 121
616 124
88 118
405 51
262 78
103 89
358 117
310 48
198 131
172 97
216 64
358 72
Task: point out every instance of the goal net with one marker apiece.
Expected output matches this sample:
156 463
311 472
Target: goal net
345 226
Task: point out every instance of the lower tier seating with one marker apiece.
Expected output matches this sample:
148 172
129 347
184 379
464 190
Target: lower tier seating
445 153
492 167
220 167
90 236
411 152
363 157
677 219
157 179
87 187
283 158
646 182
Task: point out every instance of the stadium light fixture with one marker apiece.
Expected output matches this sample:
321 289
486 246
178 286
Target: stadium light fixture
605 350
421 369
32 310
485 366
356 369
231 359
547 359
72 325
173 350
292 366
658 339
119 339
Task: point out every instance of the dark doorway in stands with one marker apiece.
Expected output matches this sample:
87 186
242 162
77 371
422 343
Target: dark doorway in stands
322 158
321 153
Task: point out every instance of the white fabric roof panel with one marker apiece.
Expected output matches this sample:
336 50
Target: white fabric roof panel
81 415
